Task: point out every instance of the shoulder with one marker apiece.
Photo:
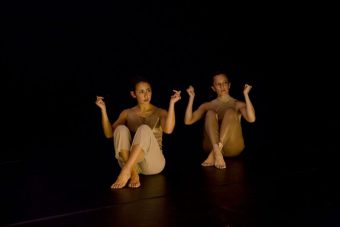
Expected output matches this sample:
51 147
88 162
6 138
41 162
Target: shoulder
125 112
208 105
161 111
239 104
205 105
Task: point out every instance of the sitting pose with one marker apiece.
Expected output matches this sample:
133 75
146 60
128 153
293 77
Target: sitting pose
137 134
222 127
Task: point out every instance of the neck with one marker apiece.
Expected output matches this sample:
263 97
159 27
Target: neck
224 98
145 107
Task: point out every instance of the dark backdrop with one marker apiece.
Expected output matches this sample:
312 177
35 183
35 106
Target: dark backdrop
57 56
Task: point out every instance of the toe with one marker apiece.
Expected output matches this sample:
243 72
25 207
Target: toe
207 164
134 185
221 166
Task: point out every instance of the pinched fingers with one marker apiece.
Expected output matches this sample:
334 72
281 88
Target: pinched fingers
176 96
100 101
247 88
190 90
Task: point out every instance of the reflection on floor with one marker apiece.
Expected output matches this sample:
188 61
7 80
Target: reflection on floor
185 194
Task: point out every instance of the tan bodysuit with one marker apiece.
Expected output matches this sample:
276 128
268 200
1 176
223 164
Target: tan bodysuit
224 126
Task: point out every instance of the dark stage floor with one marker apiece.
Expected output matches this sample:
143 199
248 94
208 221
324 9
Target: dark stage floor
250 192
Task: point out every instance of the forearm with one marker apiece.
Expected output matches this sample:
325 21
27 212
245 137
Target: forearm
188 111
170 119
107 128
249 109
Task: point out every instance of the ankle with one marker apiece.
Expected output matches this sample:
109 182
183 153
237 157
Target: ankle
126 170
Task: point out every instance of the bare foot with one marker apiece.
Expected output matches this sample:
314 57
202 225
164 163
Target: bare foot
134 181
219 160
210 161
122 179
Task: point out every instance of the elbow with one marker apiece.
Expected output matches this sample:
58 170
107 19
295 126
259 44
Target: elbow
108 136
169 128
252 120
168 131
187 122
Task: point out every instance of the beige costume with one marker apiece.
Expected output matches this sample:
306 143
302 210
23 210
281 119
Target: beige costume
223 122
147 132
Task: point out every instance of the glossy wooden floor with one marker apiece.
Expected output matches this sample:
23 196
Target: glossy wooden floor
254 190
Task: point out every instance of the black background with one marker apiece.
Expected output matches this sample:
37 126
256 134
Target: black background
57 56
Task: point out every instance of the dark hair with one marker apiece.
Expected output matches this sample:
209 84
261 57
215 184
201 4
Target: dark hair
218 73
137 79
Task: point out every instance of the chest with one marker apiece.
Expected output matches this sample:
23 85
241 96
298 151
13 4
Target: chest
134 120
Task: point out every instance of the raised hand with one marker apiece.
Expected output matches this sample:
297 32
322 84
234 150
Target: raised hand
191 91
100 102
246 89
176 96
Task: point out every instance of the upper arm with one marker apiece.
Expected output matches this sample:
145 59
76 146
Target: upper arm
120 120
163 116
241 106
198 113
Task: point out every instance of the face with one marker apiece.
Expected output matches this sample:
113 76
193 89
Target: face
221 84
142 92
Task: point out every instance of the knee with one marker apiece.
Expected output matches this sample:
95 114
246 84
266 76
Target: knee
210 114
143 128
121 129
230 113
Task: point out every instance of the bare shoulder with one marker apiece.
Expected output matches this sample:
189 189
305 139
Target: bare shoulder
239 104
121 118
124 113
162 112
205 106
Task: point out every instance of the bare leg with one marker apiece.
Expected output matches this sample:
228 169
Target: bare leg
219 160
134 180
129 169
215 157
231 133
211 127
210 161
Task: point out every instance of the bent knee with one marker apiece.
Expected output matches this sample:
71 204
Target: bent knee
210 114
121 129
144 128
230 113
